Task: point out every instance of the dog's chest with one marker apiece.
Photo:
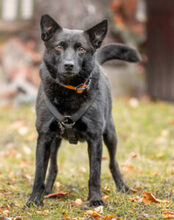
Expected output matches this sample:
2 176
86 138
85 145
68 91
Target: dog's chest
67 107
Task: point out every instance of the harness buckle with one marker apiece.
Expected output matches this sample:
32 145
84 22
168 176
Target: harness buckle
68 122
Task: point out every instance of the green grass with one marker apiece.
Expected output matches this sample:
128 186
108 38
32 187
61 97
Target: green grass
147 130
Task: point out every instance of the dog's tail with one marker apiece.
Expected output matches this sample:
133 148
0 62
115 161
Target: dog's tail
118 52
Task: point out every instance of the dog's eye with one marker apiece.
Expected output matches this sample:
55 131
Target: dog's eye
59 47
82 50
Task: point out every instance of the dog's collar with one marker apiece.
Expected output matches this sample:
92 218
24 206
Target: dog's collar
80 88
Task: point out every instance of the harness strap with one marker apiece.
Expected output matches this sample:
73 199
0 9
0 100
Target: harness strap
67 122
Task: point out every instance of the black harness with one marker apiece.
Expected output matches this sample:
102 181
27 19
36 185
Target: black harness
67 122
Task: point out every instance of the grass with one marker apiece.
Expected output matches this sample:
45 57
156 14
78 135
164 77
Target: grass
145 154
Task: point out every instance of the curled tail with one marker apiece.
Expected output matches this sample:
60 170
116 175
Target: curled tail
117 52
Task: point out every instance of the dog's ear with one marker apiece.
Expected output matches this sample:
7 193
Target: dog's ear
97 33
48 27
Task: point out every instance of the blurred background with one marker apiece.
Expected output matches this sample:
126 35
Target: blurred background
147 25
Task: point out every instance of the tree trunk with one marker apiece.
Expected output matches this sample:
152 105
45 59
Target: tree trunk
160 49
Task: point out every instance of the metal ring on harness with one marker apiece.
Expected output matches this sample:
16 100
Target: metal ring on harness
68 122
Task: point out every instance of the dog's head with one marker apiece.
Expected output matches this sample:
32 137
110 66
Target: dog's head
69 53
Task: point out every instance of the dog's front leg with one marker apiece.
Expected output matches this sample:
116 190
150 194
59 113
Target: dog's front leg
42 157
95 155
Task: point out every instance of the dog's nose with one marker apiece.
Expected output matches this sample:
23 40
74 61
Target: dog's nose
69 65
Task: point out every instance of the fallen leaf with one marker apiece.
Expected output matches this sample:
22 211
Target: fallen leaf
109 217
160 155
23 131
137 198
28 213
168 215
5 213
133 102
77 202
133 155
133 190
57 193
93 214
105 198
24 164
27 176
12 152
164 132
18 218
26 150
139 188
127 168
149 198
155 174
99 209
106 189
58 185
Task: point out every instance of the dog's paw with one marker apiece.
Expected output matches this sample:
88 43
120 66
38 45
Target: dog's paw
96 203
35 200
123 188
33 203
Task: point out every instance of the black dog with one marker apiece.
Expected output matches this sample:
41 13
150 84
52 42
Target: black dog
74 103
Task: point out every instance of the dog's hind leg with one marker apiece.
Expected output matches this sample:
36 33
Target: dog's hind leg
53 165
42 156
110 140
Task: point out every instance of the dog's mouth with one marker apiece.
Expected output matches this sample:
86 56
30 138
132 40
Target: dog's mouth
66 77
68 74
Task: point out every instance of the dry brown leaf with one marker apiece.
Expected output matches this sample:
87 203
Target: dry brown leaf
77 202
105 198
160 155
99 209
5 212
26 150
168 215
133 190
109 217
127 168
93 214
18 218
57 193
58 185
137 198
12 152
149 198
156 174
133 155
23 131
133 102
106 189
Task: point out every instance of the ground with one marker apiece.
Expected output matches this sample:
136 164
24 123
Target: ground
145 154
